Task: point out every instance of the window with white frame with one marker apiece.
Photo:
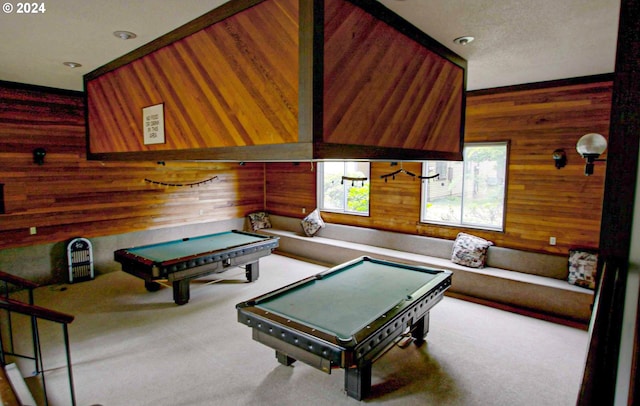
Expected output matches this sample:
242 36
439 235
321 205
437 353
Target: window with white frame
343 187
470 193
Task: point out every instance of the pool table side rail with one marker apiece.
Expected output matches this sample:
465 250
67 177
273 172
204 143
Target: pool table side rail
160 269
283 335
365 258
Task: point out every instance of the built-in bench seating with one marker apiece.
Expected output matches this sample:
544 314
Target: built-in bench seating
535 283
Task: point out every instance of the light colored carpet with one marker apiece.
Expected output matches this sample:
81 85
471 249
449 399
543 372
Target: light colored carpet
133 347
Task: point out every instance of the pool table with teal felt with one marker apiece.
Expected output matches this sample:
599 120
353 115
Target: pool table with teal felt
347 316
179 261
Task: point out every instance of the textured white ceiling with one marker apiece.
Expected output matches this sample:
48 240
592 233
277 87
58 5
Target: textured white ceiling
521 41
517 41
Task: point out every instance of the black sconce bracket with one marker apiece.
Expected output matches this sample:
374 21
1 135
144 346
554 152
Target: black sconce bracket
38 156
560 158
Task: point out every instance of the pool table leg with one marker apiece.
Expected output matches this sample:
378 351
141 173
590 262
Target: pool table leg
152 286
252 271
284 359
181 291
357 381
420 329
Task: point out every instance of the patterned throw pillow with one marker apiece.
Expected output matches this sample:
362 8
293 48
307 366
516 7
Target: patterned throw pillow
469 250
583 267
259 220
312 223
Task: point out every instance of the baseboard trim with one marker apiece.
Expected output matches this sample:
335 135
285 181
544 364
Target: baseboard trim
518 310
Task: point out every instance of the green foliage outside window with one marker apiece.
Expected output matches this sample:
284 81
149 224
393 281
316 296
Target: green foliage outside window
344 196
358 199
471 192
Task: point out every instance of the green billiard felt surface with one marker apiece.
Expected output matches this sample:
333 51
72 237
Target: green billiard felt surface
344 302
180 248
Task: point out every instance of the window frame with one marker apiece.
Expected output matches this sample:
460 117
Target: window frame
320 191
424 188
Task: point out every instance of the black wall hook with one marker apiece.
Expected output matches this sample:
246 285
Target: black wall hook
38 156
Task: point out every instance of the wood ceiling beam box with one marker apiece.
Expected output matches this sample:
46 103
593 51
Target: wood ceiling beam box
283 80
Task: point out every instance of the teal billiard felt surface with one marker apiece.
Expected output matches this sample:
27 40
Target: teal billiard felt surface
362 292
184 248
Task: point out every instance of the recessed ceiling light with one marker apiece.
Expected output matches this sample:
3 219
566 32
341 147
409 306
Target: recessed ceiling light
463 40
124 35
72 64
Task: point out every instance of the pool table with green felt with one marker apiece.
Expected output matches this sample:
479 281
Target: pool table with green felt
347 316
179 261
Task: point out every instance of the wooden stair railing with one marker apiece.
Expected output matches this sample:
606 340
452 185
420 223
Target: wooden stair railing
35 313
8 279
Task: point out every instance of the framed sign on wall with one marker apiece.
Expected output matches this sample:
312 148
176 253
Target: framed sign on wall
153 124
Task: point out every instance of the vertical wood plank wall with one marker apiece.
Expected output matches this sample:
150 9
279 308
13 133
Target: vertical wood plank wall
542 201
69 196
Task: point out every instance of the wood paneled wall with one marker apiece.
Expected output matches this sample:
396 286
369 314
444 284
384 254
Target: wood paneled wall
69 196
290 188
542 201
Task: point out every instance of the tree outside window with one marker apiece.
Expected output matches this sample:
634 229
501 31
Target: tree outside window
343 195
470 193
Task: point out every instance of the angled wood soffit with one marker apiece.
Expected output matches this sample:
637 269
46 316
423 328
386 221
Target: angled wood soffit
282 80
